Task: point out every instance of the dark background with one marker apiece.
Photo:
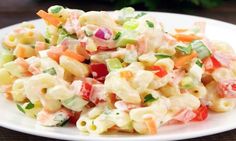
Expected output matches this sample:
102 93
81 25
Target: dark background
15 11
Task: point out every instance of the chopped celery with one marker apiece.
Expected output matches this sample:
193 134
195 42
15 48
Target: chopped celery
131 24
126 14
186 82
162 56
62 34
55 9
201 49
185 50
113 64
51 71
127 37
149 98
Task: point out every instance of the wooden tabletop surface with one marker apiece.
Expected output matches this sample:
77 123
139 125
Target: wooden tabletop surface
15 11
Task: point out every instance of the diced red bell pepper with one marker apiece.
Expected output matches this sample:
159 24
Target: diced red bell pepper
99 71
201 113
86 90
159 71
227 88
74 117
211 64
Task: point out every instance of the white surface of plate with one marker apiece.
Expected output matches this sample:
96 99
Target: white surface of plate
11 118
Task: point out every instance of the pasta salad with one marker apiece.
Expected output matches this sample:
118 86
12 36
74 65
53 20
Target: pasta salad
115 71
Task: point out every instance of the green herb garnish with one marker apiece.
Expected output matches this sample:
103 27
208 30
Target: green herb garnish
150 24
117 36
199 63
20 108
140 15
149 98
47 40
51 71
29 106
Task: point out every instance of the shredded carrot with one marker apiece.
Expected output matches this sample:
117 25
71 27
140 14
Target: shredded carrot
179 62
186 38
74 55
151 125
126 74
49 18
181 30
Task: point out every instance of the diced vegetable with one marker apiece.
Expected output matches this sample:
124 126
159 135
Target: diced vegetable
74 118
125 14
62 35
75 103
149 98
127 37
211 64
19 107
113 64
185 50
51 19
74 55
150 24
199 63
55 9
227 88
186 38
181 61
99 71
131 24
162 56
55 53
86 90
201 113
29 106
140 15
103 33
117 36
201 49
159 71
186 82
51 71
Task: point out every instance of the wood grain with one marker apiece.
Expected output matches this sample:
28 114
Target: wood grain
15 11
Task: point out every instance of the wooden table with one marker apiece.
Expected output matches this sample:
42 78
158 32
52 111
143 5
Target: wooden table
15 11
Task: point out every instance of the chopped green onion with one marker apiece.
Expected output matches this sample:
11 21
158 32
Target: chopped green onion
162 56
113 64
51 71
29 106
186 82
117 36
55 9
150 24
201 49
185 50
149 98
131 24
47 40
20 108
140 15
199 63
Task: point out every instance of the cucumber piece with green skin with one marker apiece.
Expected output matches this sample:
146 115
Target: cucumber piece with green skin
113 64
75 103
127 37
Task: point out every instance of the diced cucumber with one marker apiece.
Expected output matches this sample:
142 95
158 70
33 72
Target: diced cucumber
201 49
187 82
127 37
113 64
131 24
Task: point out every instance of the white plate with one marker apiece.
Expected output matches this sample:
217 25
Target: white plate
11 118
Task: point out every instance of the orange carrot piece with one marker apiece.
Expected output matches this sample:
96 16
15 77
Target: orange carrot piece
22 63
186 38
151 125
55 53
49 18
74 55
40 46
179 62
21 52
